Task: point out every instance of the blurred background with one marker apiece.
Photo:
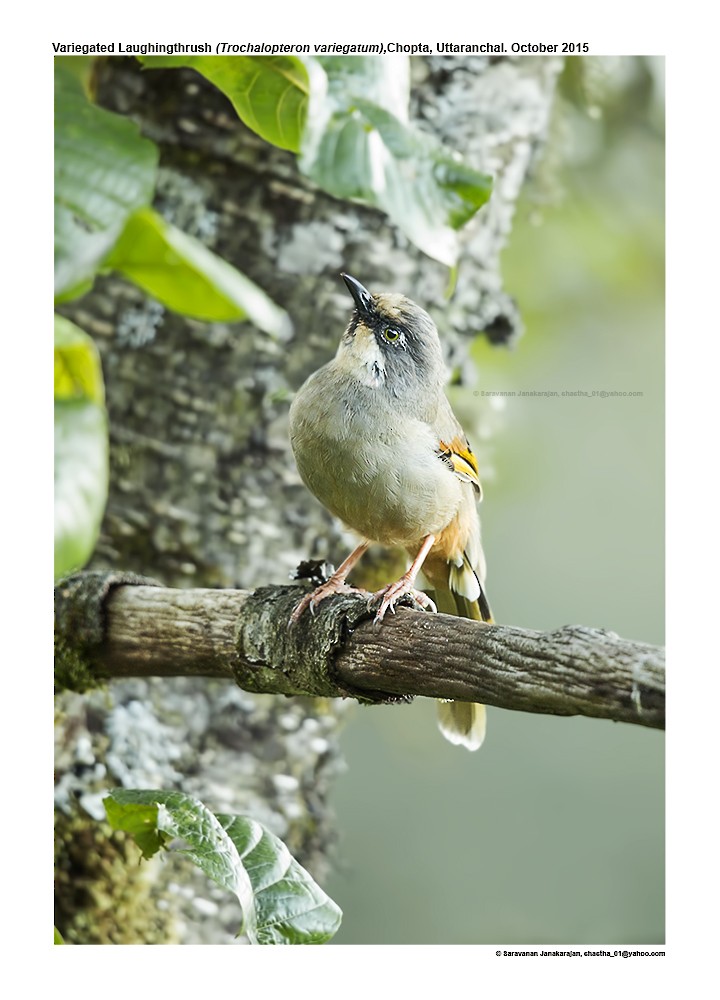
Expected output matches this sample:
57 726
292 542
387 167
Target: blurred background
554 831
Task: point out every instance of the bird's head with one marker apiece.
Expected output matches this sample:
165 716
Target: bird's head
391 344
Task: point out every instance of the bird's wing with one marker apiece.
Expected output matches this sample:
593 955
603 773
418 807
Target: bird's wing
458 454
459 543
454 447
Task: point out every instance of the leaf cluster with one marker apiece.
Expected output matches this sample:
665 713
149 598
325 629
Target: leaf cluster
105 177
281 903
347 119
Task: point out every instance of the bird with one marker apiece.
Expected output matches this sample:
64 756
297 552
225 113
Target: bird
376 441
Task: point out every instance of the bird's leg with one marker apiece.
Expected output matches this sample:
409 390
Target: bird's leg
389 595
335 585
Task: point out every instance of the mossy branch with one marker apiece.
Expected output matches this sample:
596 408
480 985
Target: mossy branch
110 625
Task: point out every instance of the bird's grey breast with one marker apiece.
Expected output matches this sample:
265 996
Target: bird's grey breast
375 468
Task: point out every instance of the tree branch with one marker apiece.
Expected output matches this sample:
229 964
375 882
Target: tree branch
111 625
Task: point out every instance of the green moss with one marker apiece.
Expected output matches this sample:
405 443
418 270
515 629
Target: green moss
73 670
102 895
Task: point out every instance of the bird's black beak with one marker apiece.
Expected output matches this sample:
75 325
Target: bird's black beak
361 296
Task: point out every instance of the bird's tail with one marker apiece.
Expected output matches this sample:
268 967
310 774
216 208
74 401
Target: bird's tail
463 722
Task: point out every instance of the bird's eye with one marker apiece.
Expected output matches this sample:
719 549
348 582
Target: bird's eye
391 335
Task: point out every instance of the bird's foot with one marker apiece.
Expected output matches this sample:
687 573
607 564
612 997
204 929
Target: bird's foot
390 595
327 589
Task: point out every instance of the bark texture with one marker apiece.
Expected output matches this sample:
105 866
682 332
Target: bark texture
203 490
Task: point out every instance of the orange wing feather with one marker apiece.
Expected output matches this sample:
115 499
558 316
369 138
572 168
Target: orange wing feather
459 454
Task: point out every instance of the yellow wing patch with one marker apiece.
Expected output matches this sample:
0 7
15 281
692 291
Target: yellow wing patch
459 454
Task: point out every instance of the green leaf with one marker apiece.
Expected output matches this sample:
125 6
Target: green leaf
104 170
81 482
78 374
357 145
80 67
184 275
139 818
57 936
280 901
81 447
383 81
75 291
291 907
269 93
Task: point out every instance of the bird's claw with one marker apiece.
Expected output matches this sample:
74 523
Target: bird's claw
312 599
390 595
